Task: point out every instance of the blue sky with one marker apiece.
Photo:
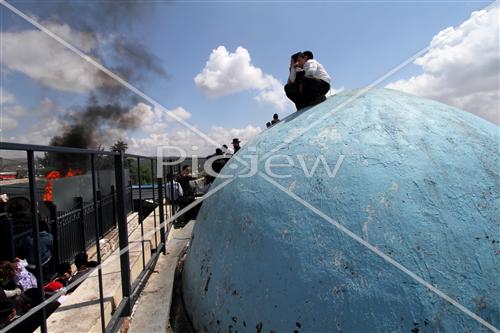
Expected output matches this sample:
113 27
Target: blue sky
356 42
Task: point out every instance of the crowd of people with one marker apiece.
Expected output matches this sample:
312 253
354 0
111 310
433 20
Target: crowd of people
20 290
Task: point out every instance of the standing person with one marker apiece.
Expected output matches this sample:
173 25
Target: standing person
184 178
177 188
188 197
227 151
236 145
313 87
275 120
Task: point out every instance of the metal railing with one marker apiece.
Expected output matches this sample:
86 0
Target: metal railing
86 224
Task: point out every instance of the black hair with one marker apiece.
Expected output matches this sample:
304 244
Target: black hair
308 54
296 56
225 146
81 259
63 268
218 151
32 296
275 115
185 167
268 124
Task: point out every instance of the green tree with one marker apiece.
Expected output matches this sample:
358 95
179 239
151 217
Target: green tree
119 146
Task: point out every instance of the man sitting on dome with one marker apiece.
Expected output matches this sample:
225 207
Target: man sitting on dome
311 88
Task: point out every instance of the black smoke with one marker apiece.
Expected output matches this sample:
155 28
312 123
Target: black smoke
109 105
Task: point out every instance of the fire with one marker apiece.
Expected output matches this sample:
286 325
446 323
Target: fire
47 193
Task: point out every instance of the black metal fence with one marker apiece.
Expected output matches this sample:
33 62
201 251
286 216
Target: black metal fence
73 230
88 222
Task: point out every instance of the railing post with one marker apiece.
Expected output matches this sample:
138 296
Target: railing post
131 194
113 199
140 211
123 232
173 204
99 205
79 203
36 233
154 202
55 233
165 183
97 211
162 216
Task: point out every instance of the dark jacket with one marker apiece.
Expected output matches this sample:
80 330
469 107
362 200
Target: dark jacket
28 246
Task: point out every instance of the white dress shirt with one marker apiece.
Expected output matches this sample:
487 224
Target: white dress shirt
316 70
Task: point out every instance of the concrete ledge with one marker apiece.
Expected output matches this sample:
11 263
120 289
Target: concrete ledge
81 310
152 309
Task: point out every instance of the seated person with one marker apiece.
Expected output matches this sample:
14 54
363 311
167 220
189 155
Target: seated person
27 246
83 266
64 273
275 120
7 310
312 87
28 300
16 274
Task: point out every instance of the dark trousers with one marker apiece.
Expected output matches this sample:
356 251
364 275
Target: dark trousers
313 92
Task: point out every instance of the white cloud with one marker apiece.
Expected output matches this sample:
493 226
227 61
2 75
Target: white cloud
185 139
47 106
38 56
461 68
155 120
7 123
227 73
180 113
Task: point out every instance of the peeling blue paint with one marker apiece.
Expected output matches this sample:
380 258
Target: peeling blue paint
419 181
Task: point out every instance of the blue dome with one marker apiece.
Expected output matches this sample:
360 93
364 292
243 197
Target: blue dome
416 179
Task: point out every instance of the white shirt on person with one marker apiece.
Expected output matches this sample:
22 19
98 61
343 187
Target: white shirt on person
316 70
177 190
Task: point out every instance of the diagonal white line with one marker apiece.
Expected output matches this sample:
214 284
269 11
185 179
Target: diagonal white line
107 71
381 254
114 76
124 250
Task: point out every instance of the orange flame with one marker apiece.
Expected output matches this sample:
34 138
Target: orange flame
47 193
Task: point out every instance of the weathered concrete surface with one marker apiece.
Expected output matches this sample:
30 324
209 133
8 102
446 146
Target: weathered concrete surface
81 310
419 181
152 309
